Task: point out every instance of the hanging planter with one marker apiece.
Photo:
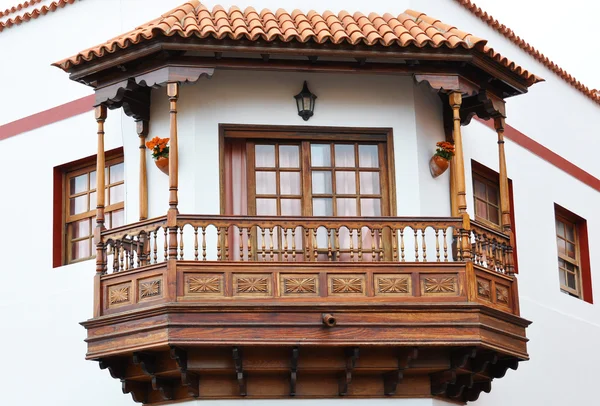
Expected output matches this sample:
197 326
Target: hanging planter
440 161
160 153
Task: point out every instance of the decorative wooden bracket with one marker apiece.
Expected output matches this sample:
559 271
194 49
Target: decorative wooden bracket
462 382
294 371
441 381
472 394
117 370
134 99
346 378
147 362
188 379
499 369
481 362
239 370
164 386
393 378
139 390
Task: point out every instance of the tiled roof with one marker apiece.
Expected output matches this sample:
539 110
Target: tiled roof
18 7
528 48
35 13
192 19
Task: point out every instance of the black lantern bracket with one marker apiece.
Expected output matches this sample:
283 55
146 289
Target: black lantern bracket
305 102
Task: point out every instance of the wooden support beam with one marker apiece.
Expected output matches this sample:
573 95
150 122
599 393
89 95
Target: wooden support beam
142 131
239 370
455 100
188 379
294 371
393 378
346 378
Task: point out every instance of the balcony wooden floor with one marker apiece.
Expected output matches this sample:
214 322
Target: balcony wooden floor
329 309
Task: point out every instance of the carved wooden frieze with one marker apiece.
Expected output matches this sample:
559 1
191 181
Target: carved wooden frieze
393 285
252 284
439 285
150 289
502 296
119 295
483 289
299 284
346 285
203 285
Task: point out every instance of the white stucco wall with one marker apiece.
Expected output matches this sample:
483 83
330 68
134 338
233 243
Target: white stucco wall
41 307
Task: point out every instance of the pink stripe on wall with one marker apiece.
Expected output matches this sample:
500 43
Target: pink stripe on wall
46 117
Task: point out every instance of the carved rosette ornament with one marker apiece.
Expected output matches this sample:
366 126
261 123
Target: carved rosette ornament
300 285
204 284
483 289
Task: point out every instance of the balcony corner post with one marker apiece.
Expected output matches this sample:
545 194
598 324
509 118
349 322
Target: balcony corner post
142 131
173 93
100 115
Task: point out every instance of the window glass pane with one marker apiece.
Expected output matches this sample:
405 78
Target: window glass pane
481 209
571 281
369 183
494 214
116 173
321 182
320 155
266 183
78 204
117 194
570 229
266 207
479 189
264 156
289 183
322 207
81 228
562 247
80 249
492 195
346 207
560 228
571 250
291 207
563 278
117 218
367 156
344 156
370 207
289 156
78 184
92 180
93 201
345 183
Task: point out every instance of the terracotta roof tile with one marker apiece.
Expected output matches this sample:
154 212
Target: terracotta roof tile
33 14
18 7
528 48
192 19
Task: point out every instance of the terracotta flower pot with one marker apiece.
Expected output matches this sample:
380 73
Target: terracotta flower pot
438 165
162 163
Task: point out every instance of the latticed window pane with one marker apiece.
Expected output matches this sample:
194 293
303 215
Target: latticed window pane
568 257
487 199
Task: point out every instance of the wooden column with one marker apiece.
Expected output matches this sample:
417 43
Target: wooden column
100 113
142 130
504 193
173 93
455 101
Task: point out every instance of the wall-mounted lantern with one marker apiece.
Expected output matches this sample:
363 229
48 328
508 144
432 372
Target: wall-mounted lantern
305 101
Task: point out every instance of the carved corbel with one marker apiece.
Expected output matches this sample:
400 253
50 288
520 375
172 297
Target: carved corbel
139 390
393 378
146 361
484 105
346 379
169 74
188 379
239 370
462 382
472 394
442 381
116 369
163 386
294 371
133 98
499 369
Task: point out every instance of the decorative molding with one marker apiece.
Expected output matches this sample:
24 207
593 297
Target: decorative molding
203 284
346 284
439 285
119 295
393 285
483 289
305 285
252 284
150 288
502 295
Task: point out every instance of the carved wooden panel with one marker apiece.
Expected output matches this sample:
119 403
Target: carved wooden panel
346 284
484 289
119 295
197 284
150 288
502 295
253 284
393 285
298 285
439 285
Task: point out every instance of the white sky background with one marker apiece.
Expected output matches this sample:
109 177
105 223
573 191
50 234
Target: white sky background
564 30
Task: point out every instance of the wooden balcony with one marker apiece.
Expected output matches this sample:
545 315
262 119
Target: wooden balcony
263 307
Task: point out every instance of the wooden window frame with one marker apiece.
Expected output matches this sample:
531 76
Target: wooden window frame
490 178
61 217
584 275
325 134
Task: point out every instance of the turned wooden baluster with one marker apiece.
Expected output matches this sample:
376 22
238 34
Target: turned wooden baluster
445 245
166 244
218 243
241 237
155 246
490 253
402 244
181 242
416 230
394 244
226 243
437 245
249 236
285 243
329 251
264 246
360 250
373 244
271 254
115 254
423 245
294 244
195 243
336 243
307 234
351 233
203 243
121 256
380 244
316 246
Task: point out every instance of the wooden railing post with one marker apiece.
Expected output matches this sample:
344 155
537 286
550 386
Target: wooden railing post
142 131
455 100
504 193
173 93
100 113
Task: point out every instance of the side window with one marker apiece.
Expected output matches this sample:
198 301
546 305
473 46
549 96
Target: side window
573 254
76 201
